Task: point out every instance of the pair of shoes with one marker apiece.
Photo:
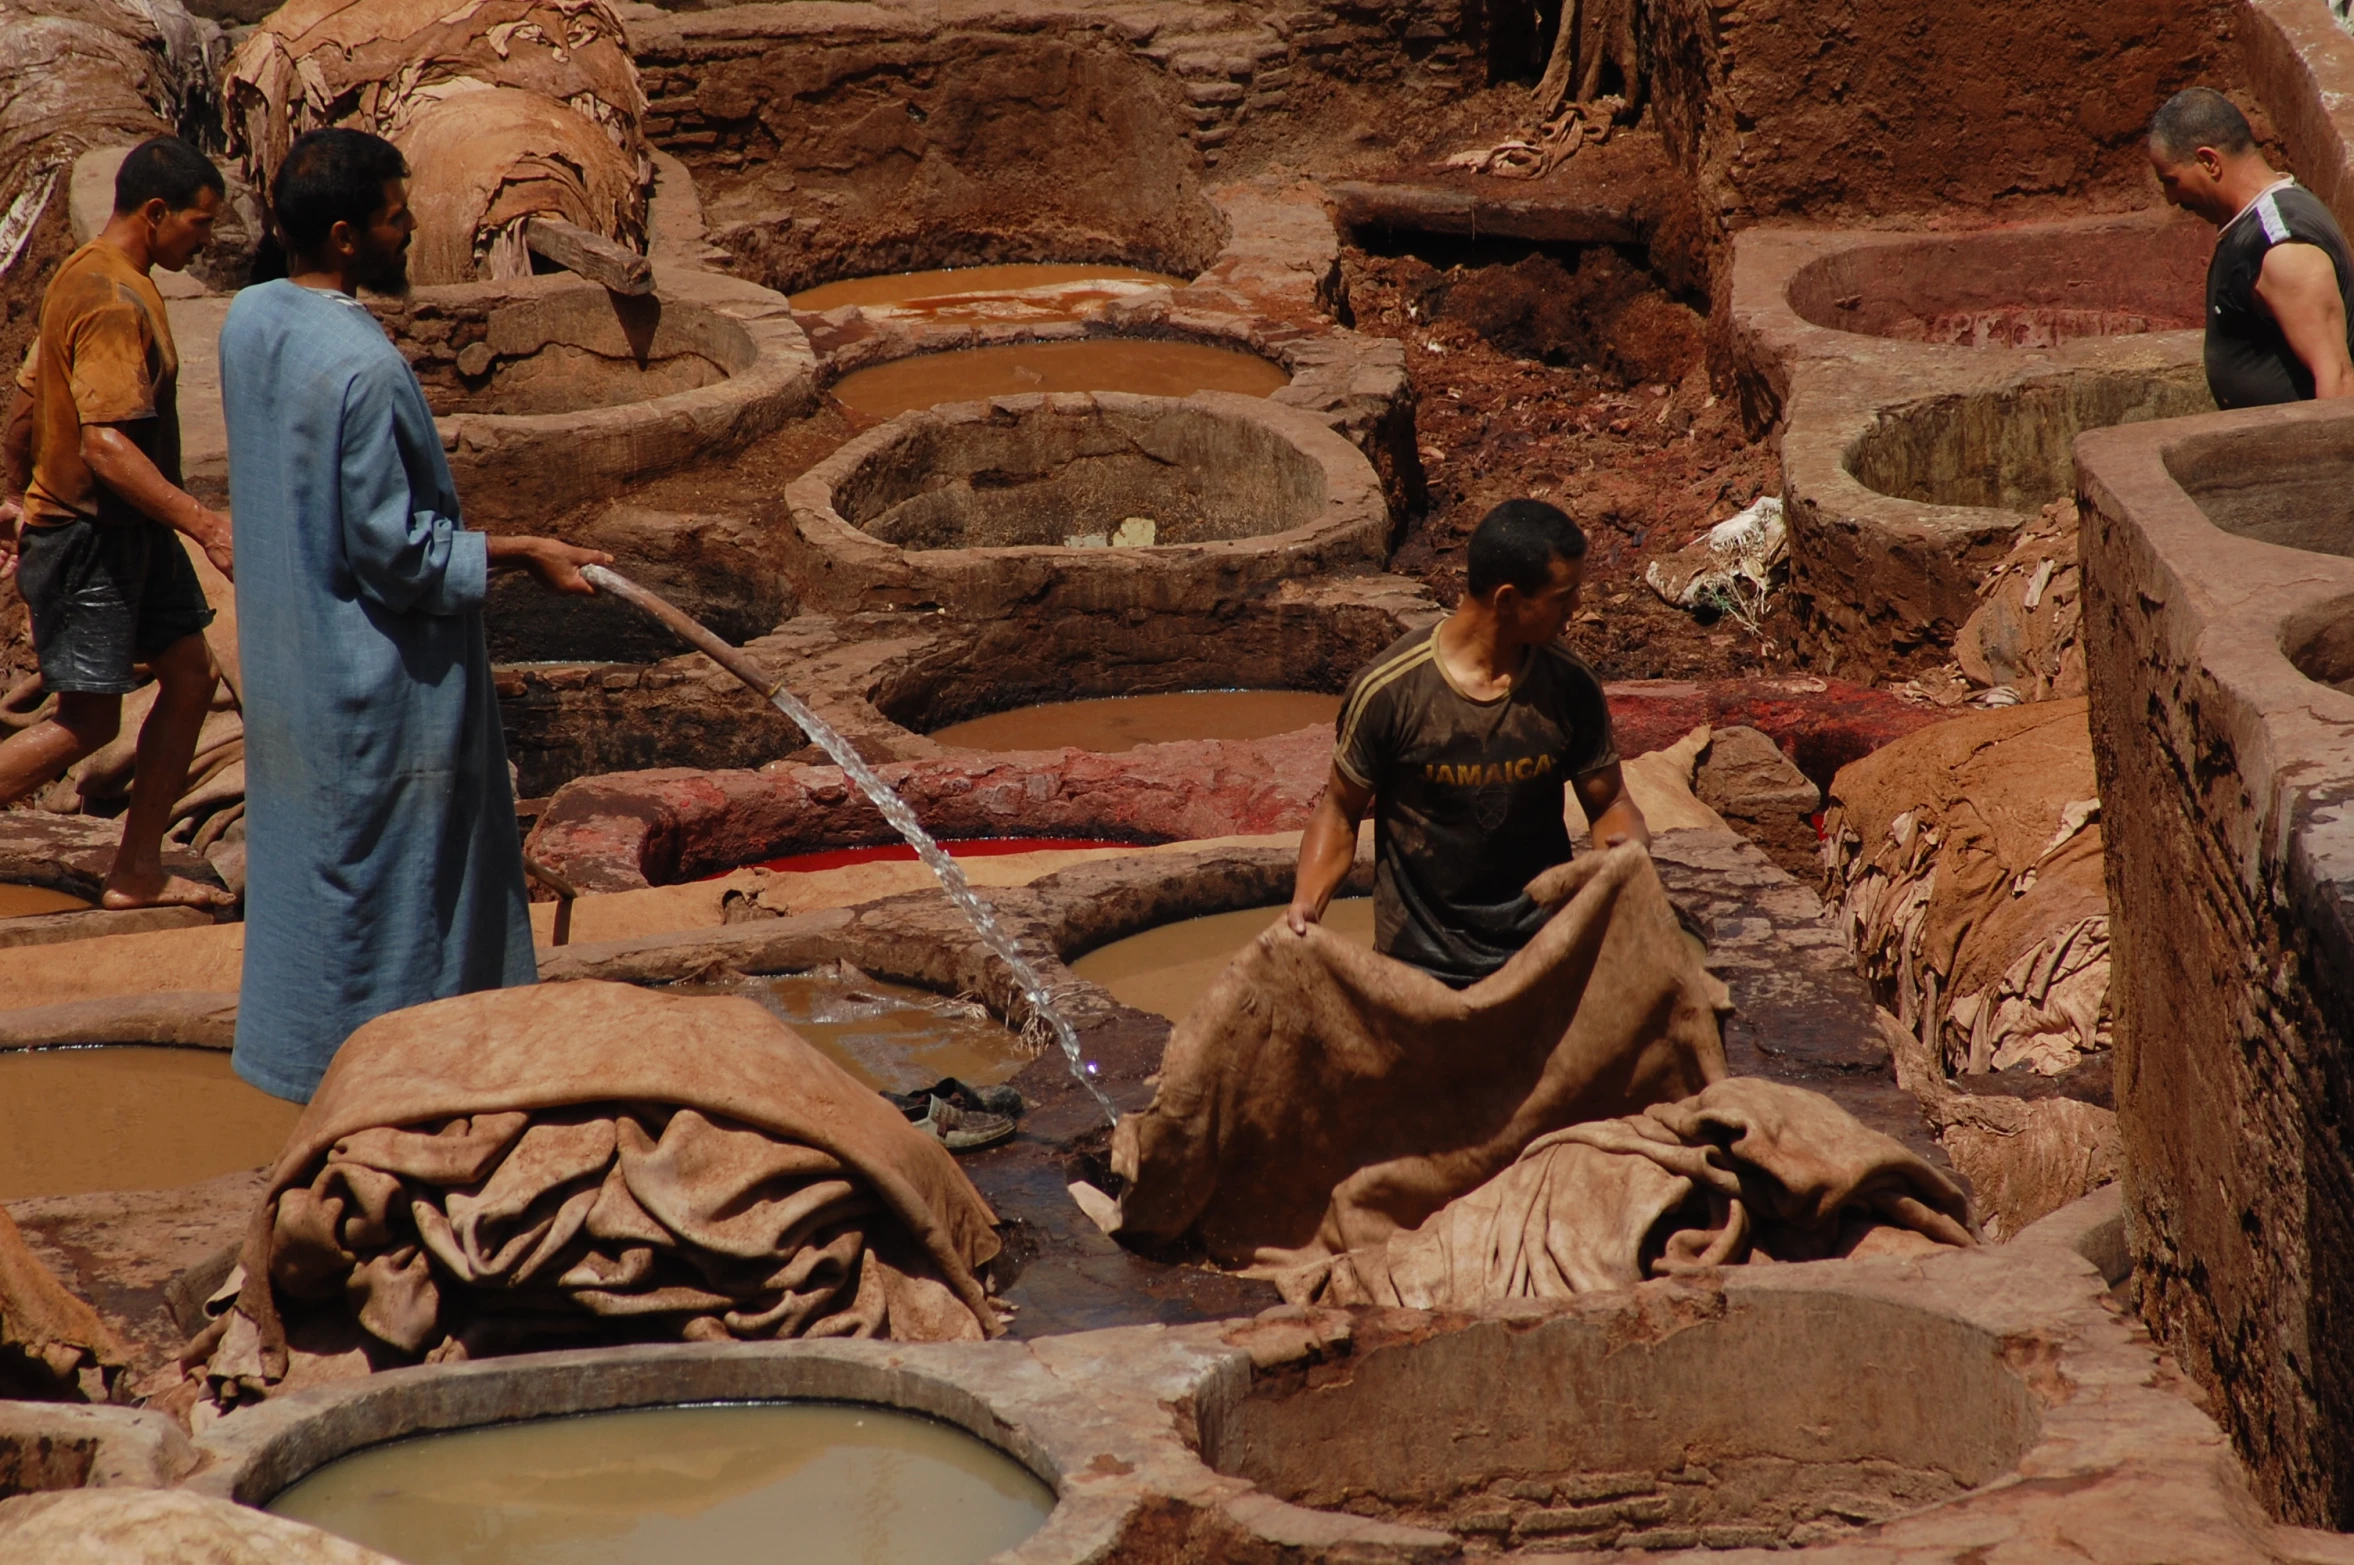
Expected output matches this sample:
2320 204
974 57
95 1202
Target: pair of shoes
963 1118
982 1100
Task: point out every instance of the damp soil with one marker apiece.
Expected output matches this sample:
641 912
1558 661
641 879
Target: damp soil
1580 377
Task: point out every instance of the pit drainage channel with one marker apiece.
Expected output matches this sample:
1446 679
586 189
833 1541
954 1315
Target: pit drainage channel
2001 1374
1928 387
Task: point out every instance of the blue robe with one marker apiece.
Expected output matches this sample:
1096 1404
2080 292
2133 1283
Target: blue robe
382 865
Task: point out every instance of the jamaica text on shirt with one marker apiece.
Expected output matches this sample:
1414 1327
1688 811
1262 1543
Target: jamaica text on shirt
1493 774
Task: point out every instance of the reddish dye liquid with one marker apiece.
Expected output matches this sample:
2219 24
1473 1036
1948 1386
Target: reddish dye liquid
900 852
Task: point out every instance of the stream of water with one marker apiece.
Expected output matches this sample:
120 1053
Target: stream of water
895 810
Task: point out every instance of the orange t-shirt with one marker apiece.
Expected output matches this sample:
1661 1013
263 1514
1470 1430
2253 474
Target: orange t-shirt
103 355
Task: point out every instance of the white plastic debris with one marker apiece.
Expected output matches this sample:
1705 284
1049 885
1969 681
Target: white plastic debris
1730 566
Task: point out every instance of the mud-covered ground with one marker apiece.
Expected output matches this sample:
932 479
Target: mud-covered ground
1575 378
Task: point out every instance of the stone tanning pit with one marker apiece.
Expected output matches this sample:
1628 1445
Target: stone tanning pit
1139 366
1929 387
82 1118
1560 1432
2222 569
890 680
1082 501
551 391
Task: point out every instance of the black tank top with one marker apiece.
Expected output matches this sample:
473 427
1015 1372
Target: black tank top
2249 361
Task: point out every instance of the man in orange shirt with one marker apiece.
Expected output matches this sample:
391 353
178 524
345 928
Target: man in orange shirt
92 446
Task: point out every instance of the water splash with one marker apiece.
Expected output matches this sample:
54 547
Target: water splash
893 808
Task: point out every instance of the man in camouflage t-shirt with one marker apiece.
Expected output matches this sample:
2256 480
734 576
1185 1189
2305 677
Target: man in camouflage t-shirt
1461 738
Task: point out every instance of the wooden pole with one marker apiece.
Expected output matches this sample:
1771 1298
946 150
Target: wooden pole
588 255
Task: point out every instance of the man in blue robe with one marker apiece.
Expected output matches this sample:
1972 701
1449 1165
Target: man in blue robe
382 863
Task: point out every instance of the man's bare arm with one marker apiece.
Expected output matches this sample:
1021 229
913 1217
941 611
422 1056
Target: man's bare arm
1327 848
119 464
556 563
2299 286
1603 796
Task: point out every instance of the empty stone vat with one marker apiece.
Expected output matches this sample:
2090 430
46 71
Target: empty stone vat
1927 387
979 507
1770 1421
550 391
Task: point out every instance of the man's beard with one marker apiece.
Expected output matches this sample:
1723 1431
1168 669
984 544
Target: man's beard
386 273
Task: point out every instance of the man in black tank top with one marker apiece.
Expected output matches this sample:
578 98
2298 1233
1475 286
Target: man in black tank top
2277 319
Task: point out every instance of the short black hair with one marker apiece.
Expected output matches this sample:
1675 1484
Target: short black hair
2199 117
1517 543
168 167
331 176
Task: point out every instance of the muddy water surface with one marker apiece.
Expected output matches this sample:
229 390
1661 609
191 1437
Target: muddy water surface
1032 291
1166 970
1123 722
1146 366
129 1118
28 901
891 1037
813 1484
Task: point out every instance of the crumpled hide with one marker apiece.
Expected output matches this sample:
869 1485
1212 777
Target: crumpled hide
481 163
53 1346
390 66
1747 1170
592 1162
1322 1097
79 74
1966 861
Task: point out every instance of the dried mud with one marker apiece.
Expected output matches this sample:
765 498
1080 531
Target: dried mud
1582 381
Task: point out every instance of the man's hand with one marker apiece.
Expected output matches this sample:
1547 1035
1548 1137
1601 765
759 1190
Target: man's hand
11 518
211 532
556 563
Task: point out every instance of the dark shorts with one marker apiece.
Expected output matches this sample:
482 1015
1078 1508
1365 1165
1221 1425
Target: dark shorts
106 595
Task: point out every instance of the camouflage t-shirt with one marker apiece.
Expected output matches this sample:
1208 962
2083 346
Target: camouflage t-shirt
104 355
1467 801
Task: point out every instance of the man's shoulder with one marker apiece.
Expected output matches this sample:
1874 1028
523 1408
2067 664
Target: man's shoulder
326 332
1570 675
1394 667
96 279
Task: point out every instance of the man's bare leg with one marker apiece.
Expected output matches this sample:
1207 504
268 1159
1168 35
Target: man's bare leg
32 756
167 740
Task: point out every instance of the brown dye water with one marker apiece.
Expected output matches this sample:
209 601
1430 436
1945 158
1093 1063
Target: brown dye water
1166 970
1118 723
982 291
1147 366
30 901
815 1484
891 1037
130 1117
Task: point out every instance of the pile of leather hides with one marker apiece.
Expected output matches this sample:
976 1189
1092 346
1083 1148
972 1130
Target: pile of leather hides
1321 1098
1966 859
80 74
2027 635
505 109
53 1346
1745 1170
576 1163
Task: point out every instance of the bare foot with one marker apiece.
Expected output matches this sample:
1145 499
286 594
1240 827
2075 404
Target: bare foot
162 890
